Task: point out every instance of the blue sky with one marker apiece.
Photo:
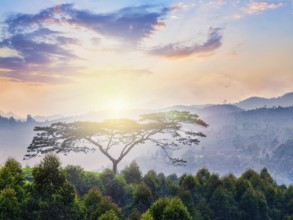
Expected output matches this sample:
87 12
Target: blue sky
78 56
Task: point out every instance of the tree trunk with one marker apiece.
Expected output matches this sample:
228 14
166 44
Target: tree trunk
115 163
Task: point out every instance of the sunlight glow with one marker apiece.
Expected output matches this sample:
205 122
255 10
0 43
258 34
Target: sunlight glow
117 107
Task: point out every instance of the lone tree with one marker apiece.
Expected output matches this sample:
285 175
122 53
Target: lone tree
168 130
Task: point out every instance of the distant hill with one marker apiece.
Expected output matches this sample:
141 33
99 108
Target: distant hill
282 160
209 109
247 104
213 110
236 140
205 110
47 118
9 114
258 102
188 108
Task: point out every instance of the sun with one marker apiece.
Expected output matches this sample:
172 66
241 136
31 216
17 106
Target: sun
116 106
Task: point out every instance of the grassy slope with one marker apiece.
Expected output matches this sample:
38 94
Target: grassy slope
28 173
29 176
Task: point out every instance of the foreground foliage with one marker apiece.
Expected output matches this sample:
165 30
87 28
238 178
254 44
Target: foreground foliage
71 193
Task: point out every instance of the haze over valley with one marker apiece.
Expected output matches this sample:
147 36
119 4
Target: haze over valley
237 139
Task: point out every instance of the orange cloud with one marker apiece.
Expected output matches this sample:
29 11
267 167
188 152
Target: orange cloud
179 50
255 7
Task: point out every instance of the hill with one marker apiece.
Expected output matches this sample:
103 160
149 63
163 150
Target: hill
258 102
237 141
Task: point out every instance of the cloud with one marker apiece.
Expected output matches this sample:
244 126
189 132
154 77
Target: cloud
130 24
41 41
179 50
255 7
38 54
33 52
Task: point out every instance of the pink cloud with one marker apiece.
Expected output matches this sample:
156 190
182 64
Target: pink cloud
255 7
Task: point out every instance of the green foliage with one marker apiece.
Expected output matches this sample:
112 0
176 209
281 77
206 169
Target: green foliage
82 180
10 206
190 187
172 187
96 204
72 193
242 185
229 183
115 187
158 208
223 204
11 175
134 215
252 177
109 215
253 205
213 183
176 210
132 173
28 173
13 195
203 211
202 176
53 197
165 209
288 201
142 197
152 181
107 177
265 175
147 216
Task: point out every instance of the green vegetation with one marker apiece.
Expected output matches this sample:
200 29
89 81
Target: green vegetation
28 173
71 193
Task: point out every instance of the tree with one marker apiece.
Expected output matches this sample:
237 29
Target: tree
152 181
109 215
53 197
288 202
223 204
13 196
123 133
164 209
253 205
147 216
75 175
176 210
10 206
132 173
97 205
82 181
142 197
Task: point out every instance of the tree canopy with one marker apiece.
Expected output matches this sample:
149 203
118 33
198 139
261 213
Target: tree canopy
164 129
51 194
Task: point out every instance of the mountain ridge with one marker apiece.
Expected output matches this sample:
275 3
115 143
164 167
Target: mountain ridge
254 102
250 103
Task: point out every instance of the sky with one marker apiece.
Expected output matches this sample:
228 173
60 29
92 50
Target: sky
72 57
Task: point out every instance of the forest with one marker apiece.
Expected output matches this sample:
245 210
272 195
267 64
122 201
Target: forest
57 192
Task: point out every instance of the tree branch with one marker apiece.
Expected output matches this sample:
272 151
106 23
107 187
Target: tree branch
110 142
101 149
